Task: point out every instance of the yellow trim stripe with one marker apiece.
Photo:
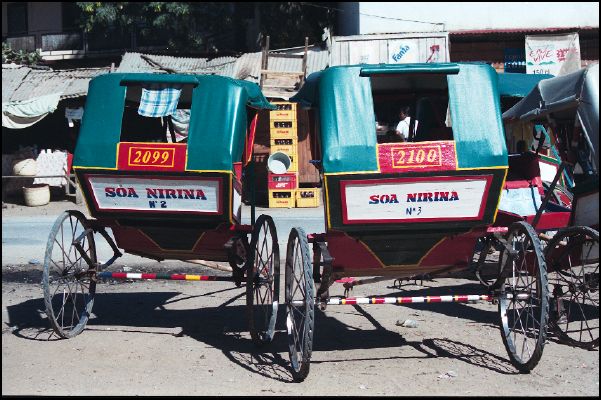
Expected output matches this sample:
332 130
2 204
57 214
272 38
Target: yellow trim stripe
494 218
481 168
210 170
351 173
85 202
192 277
231 202
83 167
327 205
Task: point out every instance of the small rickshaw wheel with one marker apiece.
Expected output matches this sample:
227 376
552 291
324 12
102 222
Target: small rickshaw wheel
300 303
263 280
69 282
488 272
523 299
572 257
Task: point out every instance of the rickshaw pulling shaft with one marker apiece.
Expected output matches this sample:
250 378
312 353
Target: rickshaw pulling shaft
336 301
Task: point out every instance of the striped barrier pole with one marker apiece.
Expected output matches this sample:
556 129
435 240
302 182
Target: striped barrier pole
172 277
334 301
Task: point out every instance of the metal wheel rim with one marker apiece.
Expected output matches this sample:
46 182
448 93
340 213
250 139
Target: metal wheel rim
263 282
523 321
69 287
299 316
575 290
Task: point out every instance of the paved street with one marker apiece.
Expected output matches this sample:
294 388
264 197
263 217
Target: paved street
192 338
24 234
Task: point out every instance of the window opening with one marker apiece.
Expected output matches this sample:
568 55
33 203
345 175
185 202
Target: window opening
16 18
157 113
411 107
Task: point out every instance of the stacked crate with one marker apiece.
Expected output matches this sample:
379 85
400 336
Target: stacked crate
283 137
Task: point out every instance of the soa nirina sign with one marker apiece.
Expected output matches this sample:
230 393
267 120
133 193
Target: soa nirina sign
135 194
401 200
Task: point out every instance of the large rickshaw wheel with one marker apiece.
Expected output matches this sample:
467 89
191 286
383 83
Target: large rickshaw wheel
263 281
523 299
572 257
69 282
300 303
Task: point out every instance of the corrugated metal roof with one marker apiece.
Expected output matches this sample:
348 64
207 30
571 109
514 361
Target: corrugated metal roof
246 67
11 79
480 32
138 62
25 83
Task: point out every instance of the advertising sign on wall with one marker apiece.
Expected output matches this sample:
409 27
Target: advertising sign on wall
403 51
553 54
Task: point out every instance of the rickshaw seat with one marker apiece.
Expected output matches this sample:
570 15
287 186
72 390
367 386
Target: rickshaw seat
523 189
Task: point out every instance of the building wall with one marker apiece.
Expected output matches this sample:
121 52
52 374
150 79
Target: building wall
45 17
42 17
469 16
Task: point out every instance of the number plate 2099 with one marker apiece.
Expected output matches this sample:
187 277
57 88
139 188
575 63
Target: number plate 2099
158 157
148 156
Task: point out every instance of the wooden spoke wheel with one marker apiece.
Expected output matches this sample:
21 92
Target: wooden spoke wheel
263 280
300 303
523 300
69 282
572 257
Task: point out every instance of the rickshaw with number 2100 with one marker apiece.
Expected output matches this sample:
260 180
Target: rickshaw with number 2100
418 208
160 161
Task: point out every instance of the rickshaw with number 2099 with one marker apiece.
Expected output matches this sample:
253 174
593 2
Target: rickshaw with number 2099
417 209
160 161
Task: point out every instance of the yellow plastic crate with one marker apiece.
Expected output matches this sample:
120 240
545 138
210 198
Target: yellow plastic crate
291 150
285 111
283 130
278 115
284 105
308 197
281 198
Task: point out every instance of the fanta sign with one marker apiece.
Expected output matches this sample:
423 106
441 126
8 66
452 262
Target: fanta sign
414 199
152 194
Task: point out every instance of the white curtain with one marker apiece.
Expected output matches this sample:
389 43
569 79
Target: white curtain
22 114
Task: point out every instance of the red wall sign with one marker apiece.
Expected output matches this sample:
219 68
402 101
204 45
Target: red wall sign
151 156
421 156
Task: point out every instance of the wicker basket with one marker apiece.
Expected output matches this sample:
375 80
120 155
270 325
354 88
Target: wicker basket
25 167
36 195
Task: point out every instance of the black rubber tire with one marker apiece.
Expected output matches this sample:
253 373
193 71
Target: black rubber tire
488 272
69 311
263 281
574 286
523 323
300 320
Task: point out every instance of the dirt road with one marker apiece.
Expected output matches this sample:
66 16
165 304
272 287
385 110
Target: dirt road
191 338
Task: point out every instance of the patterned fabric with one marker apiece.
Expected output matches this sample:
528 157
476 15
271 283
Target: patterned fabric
159 102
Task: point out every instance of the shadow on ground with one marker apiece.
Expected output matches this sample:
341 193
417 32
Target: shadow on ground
225 328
